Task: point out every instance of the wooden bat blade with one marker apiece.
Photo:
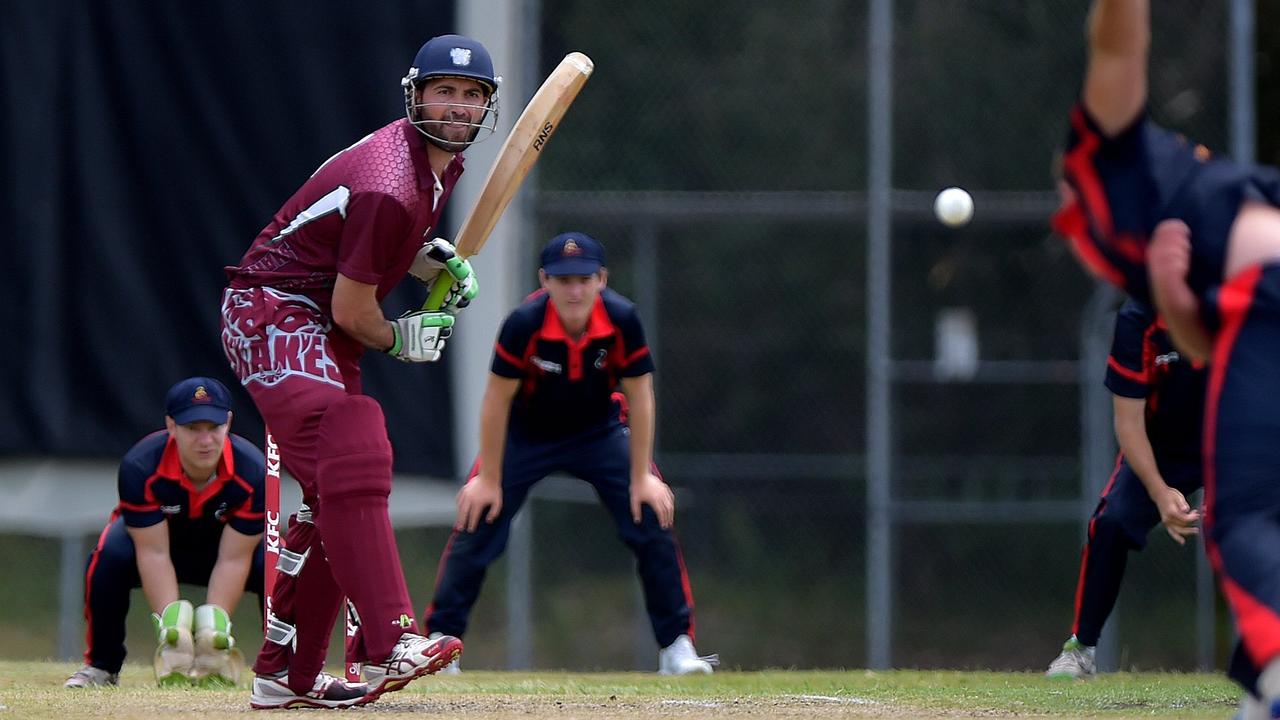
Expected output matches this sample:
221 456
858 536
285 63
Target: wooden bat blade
529 136
522 148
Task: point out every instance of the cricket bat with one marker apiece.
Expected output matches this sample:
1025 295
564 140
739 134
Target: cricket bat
517 155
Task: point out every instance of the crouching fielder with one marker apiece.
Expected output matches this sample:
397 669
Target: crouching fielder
552 405
191 500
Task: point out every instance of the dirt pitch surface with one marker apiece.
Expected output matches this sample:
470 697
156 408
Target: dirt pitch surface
34 690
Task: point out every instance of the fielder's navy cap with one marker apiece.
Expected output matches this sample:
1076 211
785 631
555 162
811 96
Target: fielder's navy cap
198 399
572 253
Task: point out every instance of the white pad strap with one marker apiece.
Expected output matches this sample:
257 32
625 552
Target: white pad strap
290 563
279 631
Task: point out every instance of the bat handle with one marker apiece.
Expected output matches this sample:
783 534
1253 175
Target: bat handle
439 289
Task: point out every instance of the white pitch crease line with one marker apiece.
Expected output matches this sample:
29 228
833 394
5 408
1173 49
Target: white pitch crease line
833 698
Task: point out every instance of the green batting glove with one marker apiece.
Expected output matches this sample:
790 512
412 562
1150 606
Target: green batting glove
420 336
177 615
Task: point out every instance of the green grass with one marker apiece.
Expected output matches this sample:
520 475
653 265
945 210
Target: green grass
33 690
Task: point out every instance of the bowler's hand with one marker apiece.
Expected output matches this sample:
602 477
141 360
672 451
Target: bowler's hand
650 490
1168 262
474 497
1169 256
1177 515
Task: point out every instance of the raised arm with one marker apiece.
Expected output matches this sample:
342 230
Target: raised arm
1115 84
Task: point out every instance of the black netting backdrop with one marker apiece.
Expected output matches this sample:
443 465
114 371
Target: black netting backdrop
145 146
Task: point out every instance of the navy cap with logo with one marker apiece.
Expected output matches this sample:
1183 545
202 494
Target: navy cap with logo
572 253
198 399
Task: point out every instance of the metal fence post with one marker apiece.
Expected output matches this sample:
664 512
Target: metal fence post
879 349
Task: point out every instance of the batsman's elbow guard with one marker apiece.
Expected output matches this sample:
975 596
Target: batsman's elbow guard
213 628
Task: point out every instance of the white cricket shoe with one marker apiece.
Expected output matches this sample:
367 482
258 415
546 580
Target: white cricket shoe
1076 661
679 658
90 676
273 691
1251 708
412 657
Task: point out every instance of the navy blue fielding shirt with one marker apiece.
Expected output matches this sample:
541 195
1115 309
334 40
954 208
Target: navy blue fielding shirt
153 488
1128 184
566 385
1144 364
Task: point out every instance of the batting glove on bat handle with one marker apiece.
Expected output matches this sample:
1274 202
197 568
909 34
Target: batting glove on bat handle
454 288
420 336
458 294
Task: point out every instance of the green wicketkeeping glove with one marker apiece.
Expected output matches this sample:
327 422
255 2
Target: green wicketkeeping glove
175 650
213 627
176 616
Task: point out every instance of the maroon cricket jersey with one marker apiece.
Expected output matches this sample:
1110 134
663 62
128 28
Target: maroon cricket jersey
364 213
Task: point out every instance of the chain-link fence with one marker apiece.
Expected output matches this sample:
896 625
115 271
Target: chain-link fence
722 155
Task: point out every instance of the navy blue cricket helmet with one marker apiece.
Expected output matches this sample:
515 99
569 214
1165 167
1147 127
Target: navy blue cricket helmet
450 56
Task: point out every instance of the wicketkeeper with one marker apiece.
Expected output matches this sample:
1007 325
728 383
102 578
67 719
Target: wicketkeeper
190 511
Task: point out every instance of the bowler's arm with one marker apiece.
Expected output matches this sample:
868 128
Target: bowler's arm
1115 84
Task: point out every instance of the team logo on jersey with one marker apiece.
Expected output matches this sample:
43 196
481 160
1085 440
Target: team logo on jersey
170 509
461 57
1168 358
571 248
546 365
600 358
221 512
201 395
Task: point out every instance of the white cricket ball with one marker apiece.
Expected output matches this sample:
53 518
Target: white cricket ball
953 206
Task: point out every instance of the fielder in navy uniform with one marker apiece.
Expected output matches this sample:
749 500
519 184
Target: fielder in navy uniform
1158 401
191 512
1199 236
551 406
